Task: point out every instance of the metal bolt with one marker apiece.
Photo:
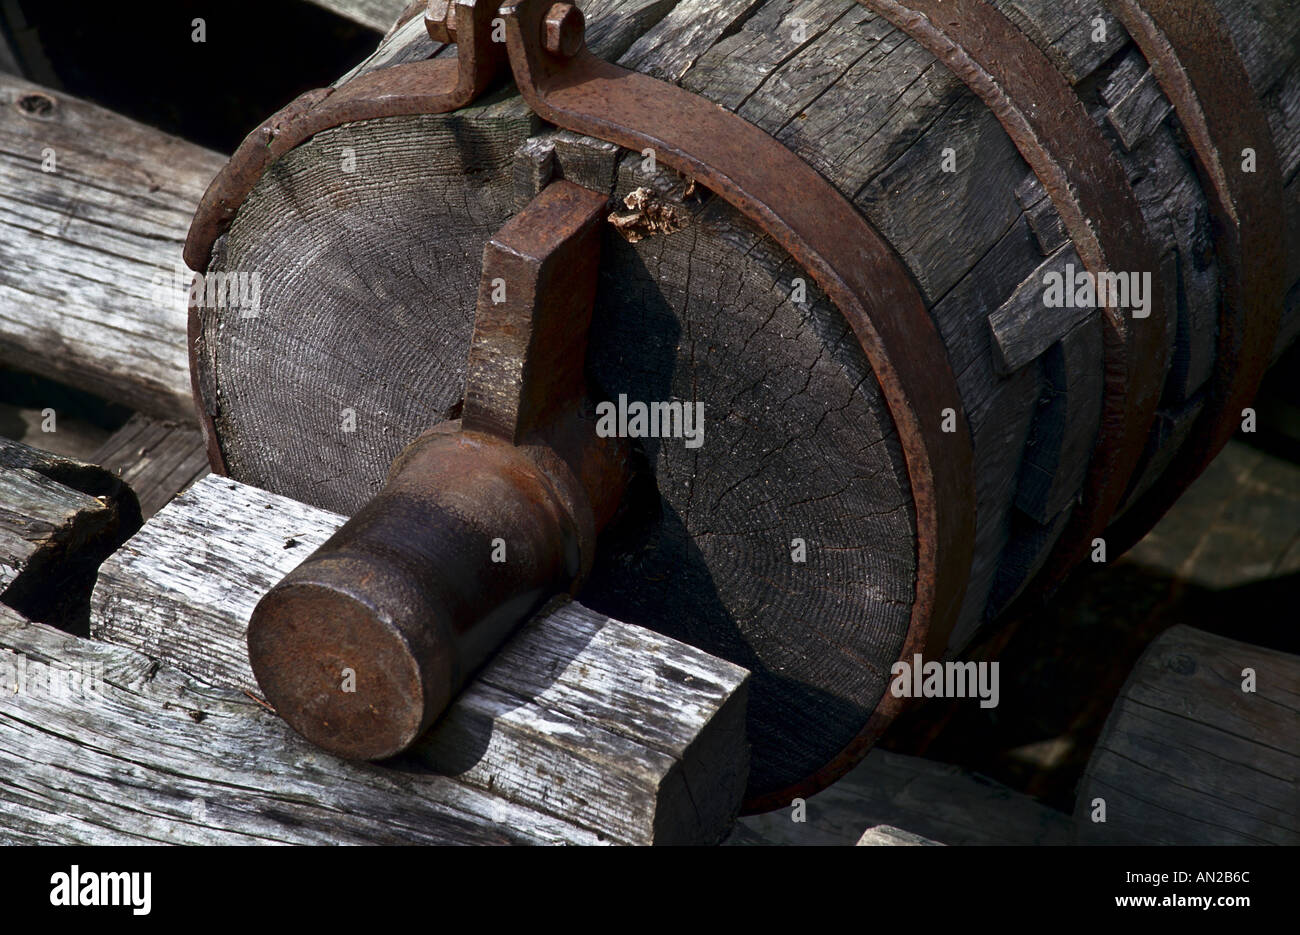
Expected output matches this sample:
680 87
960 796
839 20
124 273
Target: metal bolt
440 20
563 29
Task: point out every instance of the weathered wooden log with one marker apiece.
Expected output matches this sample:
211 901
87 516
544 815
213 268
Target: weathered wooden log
377 14
605 725
59 519
203 765
1200 748
794 541
93 211
889 836
936 801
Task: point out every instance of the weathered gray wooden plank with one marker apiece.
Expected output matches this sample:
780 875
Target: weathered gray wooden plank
1136 115
1078 35
888 836
611 726
1065 428
931 800
41 520
685 33
377 14
1048 228
1001 410
1137 104
1188 757
1023 326
156 458
1172 202
93 211
183 587
100 744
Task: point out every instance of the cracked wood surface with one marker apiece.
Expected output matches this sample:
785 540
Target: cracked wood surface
603 725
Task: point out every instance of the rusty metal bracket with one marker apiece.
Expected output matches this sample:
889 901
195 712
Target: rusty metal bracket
478 523
569 86
1090 190
1190 50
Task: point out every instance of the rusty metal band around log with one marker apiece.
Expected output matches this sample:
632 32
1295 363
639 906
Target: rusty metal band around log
1090 190
786 197
568 86
1190 51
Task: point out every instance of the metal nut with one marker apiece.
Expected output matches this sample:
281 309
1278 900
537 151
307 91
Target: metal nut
440 21
562 30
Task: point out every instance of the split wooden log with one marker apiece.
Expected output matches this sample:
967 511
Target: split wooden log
59 519
94 208
801 455
156 458
605 725
1200 748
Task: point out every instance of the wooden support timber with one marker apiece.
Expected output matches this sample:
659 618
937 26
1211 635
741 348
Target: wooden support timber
582 730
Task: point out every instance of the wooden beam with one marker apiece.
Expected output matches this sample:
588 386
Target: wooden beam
1188 756
156 458
378 15
59 519
889 836
100 744
41 519
94 208
631 735
934 802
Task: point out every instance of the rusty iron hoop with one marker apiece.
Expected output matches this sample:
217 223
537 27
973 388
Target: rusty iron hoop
1088 186
1199 68
852 263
